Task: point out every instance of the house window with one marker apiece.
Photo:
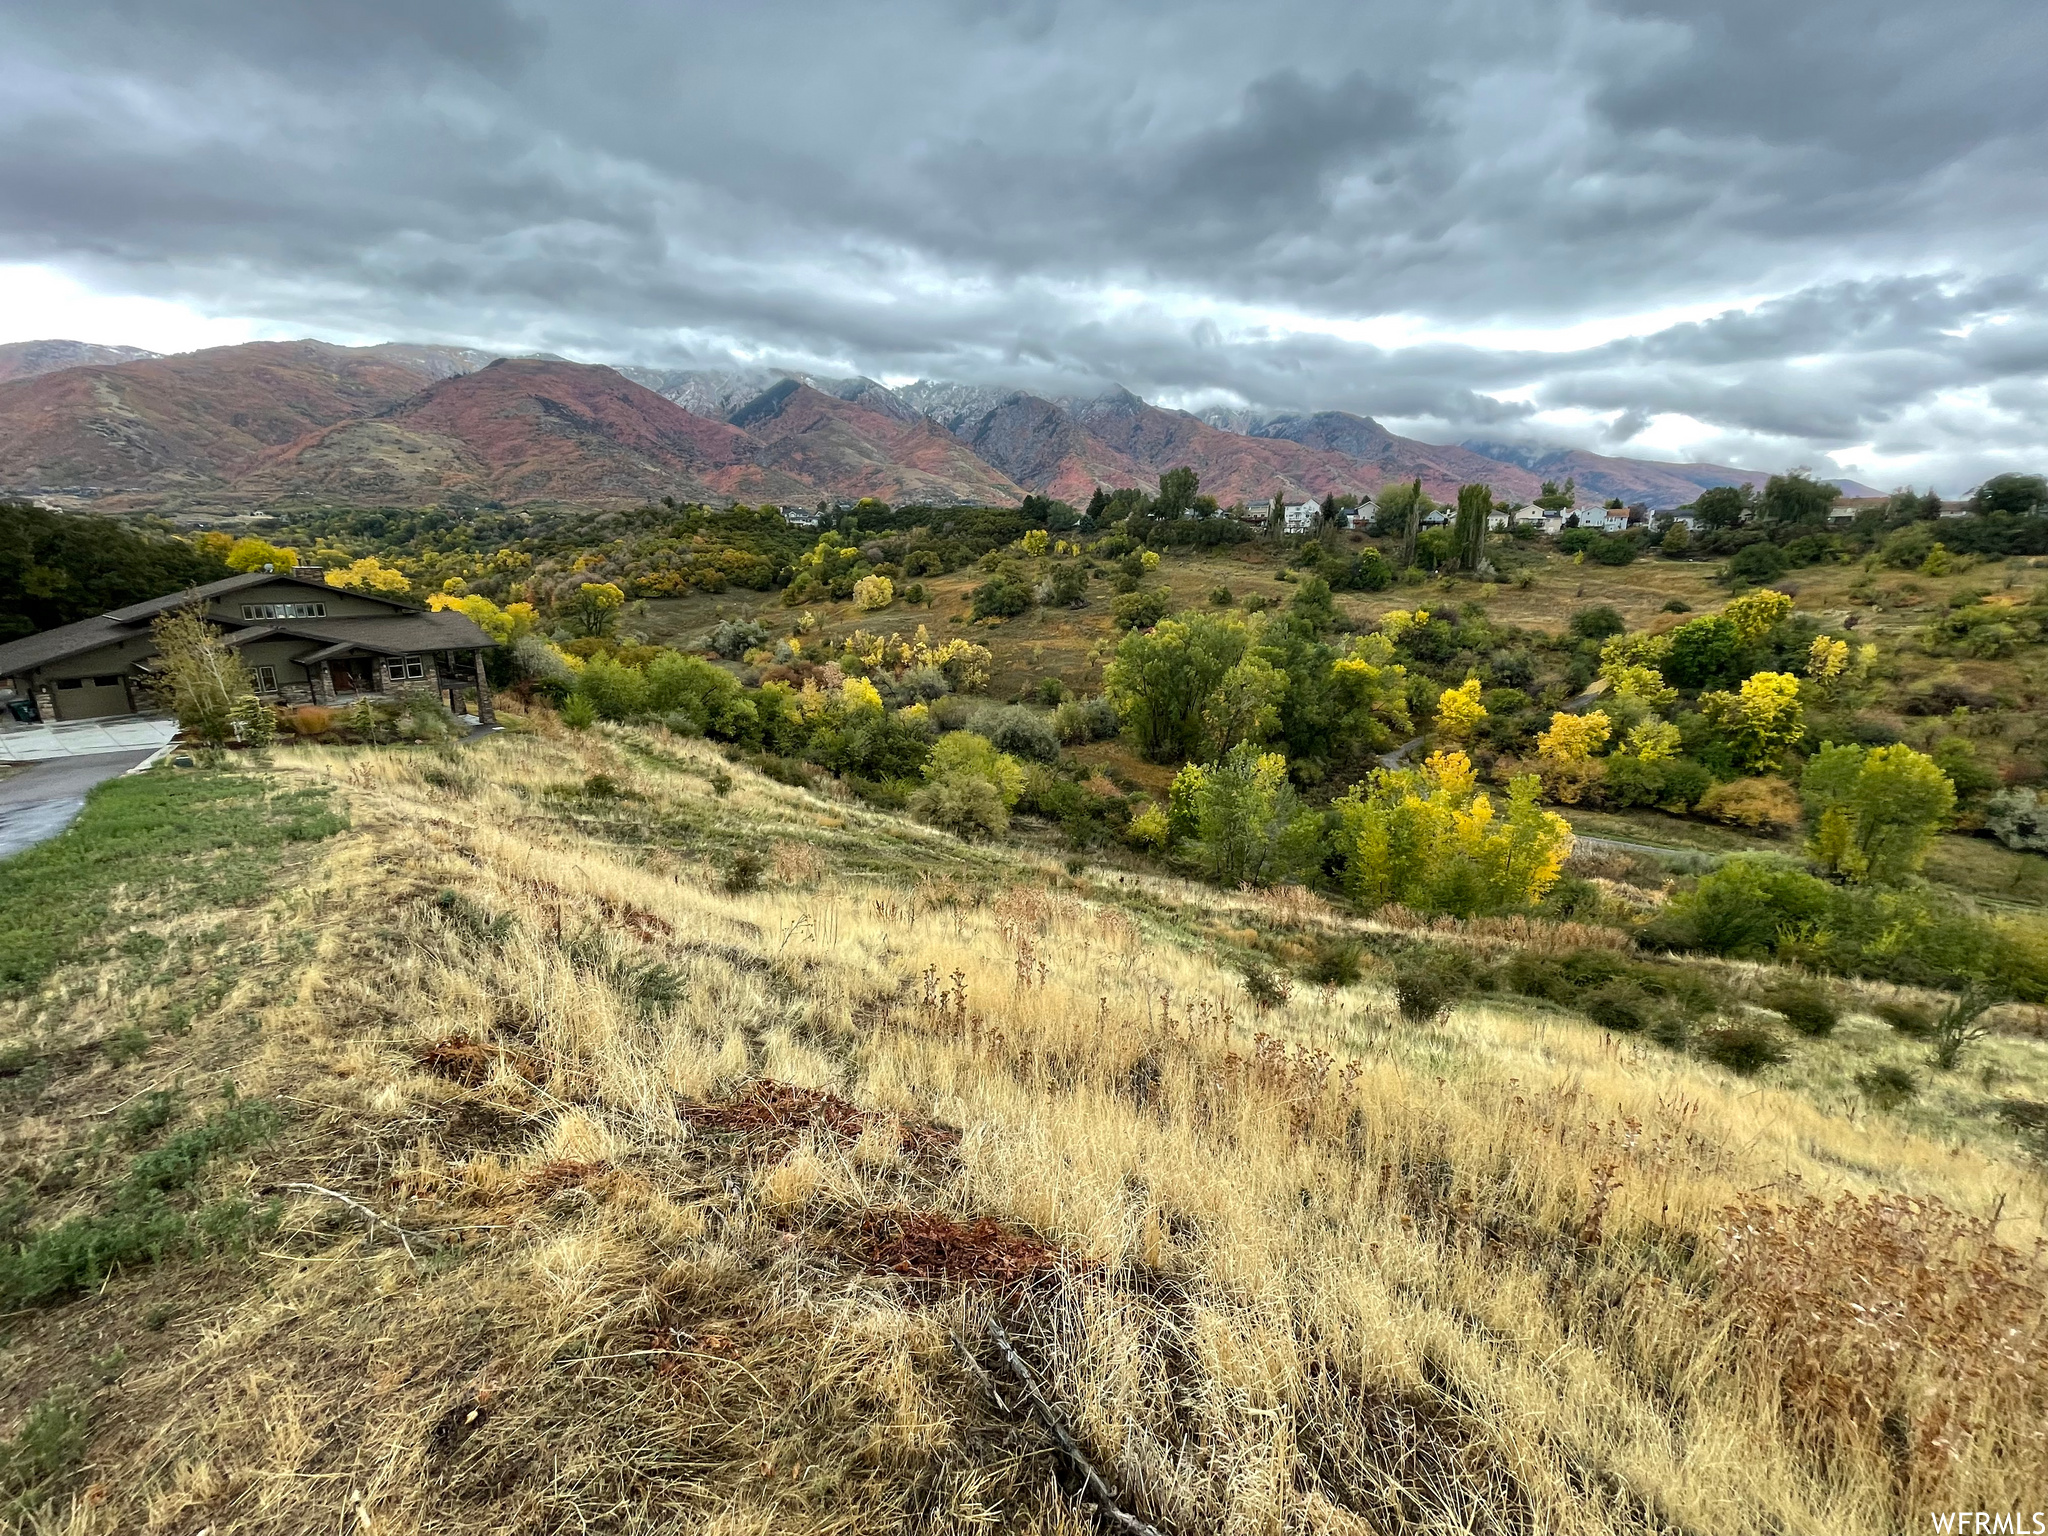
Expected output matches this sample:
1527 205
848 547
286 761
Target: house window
70 682
107 682
266 679
284 610
399 668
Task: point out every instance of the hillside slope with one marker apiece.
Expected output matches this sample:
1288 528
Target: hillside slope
851 448
26 359
189 423
521 431
609 1198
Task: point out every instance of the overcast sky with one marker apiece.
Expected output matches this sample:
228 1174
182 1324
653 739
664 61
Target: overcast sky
1754 232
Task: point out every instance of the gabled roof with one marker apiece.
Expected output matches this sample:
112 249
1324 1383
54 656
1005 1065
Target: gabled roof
55 644
406 629
137 613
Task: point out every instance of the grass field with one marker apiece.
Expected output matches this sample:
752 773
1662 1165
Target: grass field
601 1195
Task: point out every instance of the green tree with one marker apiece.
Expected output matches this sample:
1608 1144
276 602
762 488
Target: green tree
594 607
1797 498
1249 827
1162 677
1703 652
1725 506
1245 706
1475 506
1761 721
205 684
1177 489
2018 494
1556 498
1874 811
1097 505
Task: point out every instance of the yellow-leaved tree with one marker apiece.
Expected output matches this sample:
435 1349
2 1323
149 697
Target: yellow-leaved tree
1566 751
504 625
370 574
1458 711
1756 614
1429 839
1761 721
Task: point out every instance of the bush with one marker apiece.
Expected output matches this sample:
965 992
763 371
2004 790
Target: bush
1914 1020
1600 623
733 638
311 720
1807 1009
1888 1087
1758 563
743 874
1220 597
1428 985
1621 1005
1141 609
871 594
1744 1049
1003 598
1676 605
1763 805
1019 731
1266 988
966 805
1334 963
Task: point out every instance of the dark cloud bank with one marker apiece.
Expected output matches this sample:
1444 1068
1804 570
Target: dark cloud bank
1200 201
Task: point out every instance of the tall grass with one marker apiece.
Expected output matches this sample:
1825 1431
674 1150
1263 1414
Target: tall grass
1323 1271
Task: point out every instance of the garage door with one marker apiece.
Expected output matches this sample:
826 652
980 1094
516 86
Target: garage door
89 698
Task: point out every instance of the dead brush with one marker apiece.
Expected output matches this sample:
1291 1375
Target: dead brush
463 1059
1895 1319
772 1117
928 1245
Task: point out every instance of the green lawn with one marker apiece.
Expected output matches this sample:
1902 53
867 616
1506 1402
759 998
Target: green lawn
169 833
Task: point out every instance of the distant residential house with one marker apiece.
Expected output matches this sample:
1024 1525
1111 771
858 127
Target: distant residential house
1440 518
1358 518
1553 523
1612 519
1300 516
1955 509
303 641
1841 517
1501 519
800 517
1683 520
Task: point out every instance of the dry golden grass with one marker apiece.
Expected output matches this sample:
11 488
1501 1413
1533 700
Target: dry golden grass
1322 1271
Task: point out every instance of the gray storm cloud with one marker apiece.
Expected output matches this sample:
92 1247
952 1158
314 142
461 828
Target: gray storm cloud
1193 200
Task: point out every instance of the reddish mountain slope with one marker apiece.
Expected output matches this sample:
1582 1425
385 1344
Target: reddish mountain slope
1040 446
26 359
184 426
524 430
1392 457
1233 467
845 448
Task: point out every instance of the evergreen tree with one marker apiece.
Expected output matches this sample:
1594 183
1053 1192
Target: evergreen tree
1475 505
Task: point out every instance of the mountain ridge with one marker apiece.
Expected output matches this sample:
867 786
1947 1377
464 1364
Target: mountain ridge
290 420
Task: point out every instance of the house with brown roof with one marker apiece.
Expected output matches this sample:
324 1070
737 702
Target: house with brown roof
303 641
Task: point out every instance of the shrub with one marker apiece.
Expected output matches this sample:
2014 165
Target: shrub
1428 984
1806 1008
743 874
1050 692
1141 609
1597 623
733 638
1621 1005
1266 988
1888 1087
1334 963
311 720
1744 1049
966 805
1019 731
1257 602
1004 597
1676 605
871 594
1220 597
2018 818
1742 908
579 714
1913 1020
1761 804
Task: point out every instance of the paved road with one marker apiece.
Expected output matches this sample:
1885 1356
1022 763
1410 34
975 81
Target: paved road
40 801
1692 858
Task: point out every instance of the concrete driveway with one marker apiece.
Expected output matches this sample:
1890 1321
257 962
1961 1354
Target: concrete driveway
41 800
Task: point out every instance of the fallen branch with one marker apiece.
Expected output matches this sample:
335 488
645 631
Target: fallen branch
1098 1489
372 1217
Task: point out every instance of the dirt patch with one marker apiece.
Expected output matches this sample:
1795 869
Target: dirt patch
467 1061
566 1173
773 1117
924 1245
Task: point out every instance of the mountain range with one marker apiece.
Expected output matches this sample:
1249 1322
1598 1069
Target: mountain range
242 427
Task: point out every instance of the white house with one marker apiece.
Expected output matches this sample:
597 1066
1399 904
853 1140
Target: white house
800 517
1300 516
